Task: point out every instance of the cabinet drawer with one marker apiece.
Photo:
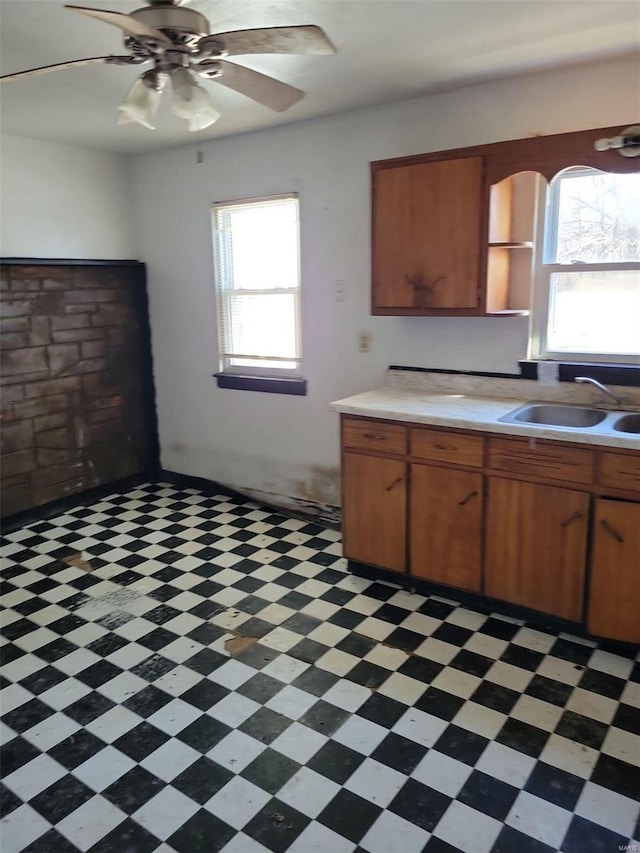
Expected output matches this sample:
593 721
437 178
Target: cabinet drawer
371 435
620 471
440 446
547 461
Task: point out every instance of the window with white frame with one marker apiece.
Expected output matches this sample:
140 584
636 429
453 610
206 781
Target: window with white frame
587 294
257 261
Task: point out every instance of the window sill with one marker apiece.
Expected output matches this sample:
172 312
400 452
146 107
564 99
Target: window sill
268 384
614 374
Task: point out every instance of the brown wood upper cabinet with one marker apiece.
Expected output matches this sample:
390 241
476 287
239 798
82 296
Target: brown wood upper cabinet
427 221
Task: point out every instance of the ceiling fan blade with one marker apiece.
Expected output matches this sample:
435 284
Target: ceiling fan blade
259 87
297 40
127 23
60 66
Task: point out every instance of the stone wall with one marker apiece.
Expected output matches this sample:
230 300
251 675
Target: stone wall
76 380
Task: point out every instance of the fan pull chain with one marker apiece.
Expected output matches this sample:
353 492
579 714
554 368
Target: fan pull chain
199 152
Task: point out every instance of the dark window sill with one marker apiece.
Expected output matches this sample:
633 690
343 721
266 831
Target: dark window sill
268 384
614 374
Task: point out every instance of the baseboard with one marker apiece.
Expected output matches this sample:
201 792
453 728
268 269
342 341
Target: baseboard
328 514
62 505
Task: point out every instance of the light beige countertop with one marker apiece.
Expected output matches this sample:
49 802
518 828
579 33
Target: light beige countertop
450 404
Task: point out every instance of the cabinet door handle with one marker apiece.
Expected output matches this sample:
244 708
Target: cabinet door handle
417 282
394 484
374 436
571 519
467 499
611 531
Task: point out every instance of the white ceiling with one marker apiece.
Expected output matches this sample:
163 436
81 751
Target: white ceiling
387 50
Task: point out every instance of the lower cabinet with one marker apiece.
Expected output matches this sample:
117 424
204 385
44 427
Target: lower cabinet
375 510
615 571
536 546
445 526
505 517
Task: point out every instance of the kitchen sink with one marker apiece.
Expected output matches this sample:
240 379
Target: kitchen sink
576 417
628 423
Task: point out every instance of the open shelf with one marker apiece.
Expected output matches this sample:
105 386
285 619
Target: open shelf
511 244
512 214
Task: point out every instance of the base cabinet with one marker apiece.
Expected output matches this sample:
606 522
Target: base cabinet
536 546
375 510
546 525
446 526
615 571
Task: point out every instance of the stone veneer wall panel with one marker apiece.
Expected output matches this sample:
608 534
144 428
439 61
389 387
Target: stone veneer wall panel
77 387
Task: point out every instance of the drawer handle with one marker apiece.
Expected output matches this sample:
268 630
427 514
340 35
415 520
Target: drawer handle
467 499
571 519
611 531
374 436
444 447
394 484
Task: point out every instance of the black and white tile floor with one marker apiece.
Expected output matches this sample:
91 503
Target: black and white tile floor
364 718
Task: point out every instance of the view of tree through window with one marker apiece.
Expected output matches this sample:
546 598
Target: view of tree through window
598 218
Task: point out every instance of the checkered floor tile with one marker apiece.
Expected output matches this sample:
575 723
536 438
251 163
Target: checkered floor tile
189 673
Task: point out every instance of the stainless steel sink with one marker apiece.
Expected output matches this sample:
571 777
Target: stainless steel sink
628 423
547 414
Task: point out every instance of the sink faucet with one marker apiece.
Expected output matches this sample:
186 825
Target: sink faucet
605 390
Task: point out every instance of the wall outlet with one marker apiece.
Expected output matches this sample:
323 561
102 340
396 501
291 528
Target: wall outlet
364 342
340 291
548 372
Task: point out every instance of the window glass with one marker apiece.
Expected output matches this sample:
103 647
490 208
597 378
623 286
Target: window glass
595 312
258 284
598 218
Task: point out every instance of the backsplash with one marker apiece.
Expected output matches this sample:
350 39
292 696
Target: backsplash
518 389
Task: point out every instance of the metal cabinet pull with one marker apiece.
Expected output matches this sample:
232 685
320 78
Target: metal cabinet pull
571 519
394 484
467 499
611 531
375 436
444 447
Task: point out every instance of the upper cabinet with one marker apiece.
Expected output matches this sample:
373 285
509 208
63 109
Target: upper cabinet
426 235
454 233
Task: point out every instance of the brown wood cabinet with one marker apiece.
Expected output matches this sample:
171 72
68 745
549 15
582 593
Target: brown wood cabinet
615 571
446 526
426 235
536 546
509 517
375 507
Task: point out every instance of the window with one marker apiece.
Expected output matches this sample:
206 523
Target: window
588 272
257 255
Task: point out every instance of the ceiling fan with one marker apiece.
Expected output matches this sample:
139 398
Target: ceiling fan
178 43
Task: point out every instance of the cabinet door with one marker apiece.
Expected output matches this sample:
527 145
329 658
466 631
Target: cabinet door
446 526
374 508
536 544
614 595
427 221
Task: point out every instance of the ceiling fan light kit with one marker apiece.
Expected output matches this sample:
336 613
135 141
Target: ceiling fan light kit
142 100
178 42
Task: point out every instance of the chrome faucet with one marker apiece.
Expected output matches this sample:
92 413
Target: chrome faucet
587 379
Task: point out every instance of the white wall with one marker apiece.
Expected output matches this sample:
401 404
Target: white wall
59 201
289 445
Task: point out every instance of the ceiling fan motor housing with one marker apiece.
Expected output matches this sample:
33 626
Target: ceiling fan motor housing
187 24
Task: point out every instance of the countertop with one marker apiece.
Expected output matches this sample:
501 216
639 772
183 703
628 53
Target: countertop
464 411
